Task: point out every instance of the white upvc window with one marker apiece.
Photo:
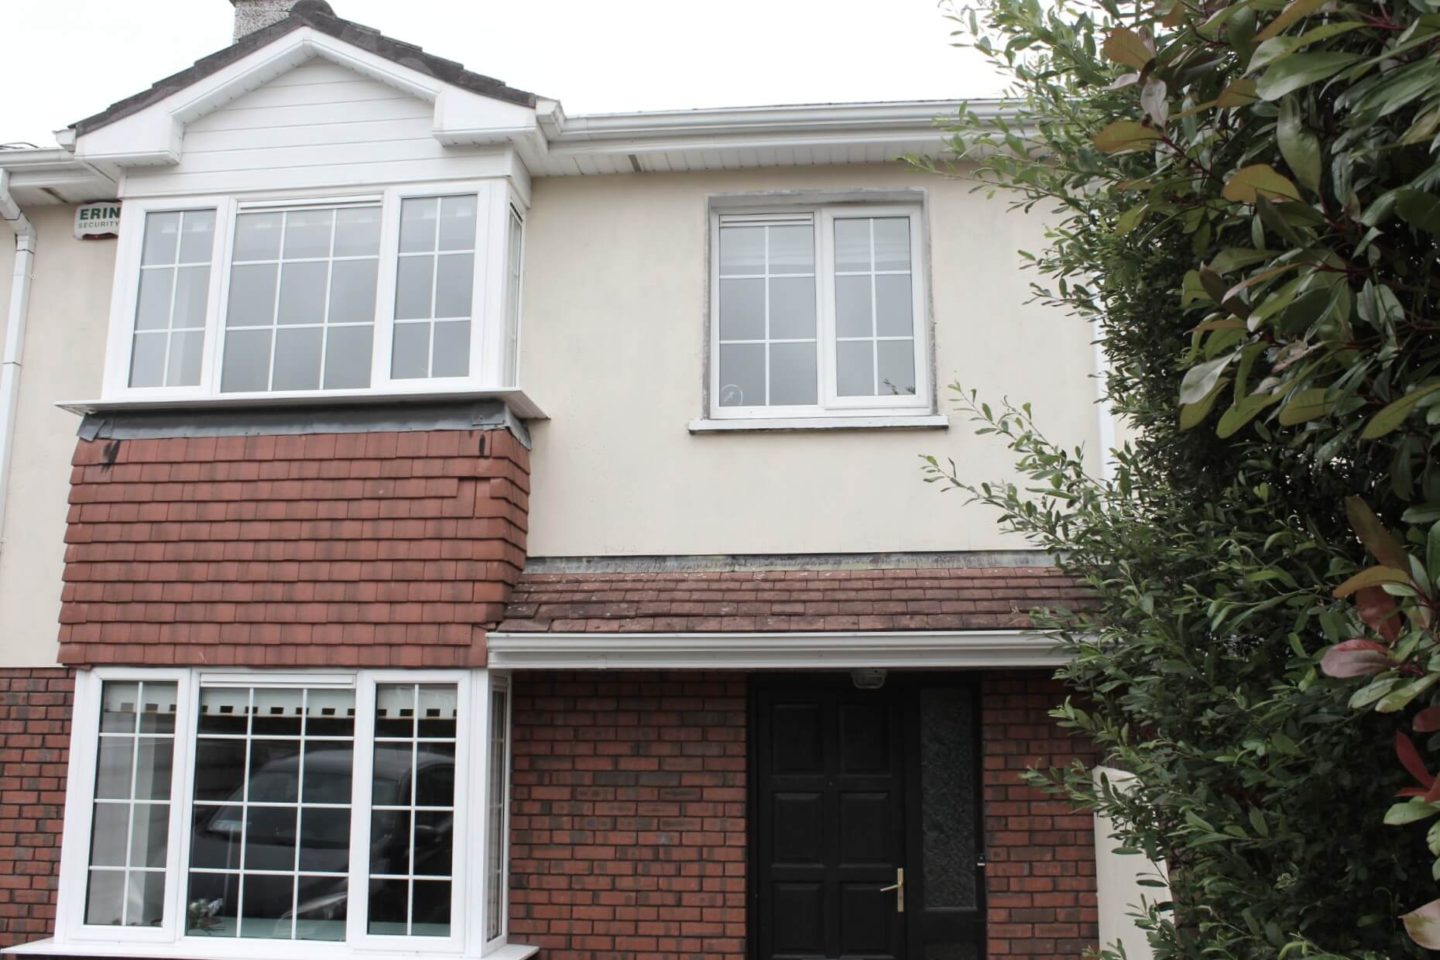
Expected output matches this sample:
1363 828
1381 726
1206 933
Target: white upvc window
818 312
407 290
321 813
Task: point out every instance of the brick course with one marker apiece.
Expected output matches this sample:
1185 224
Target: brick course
628 830
35 707
629 833
361 550
1040 883
895 598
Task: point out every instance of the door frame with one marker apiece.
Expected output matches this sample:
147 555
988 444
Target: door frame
910 784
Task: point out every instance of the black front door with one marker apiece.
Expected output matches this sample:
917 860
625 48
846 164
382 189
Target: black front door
865 820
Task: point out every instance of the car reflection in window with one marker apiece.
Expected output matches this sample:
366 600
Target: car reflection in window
319 864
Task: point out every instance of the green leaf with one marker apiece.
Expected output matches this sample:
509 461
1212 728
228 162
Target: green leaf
1258 180
1192 414
1125 46
1200 379
1409 812
1305 405
1400 698
1237 93
1371 577
1294 10
1276 48
1393 414
1372 533
1300 70
1299 146
1233 258
1124 135
1131 218
1243 412
1432 554
1419 209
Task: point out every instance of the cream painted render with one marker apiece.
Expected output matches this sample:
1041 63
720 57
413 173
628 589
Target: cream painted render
64 357
613 349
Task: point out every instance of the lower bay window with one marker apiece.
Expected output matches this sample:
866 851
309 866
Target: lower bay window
209 810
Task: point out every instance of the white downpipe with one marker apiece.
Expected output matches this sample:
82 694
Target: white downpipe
10 360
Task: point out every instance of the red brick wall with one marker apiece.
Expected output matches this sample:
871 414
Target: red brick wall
1040 883
35 710
629 837
362 549
628 831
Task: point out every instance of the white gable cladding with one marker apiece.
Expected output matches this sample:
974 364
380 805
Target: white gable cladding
319 125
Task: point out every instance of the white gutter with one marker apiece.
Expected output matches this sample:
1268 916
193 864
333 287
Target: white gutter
14 349
936 649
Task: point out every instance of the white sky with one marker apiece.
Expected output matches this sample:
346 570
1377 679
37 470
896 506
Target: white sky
67 59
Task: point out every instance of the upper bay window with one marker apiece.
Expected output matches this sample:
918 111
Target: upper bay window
818 312
389 293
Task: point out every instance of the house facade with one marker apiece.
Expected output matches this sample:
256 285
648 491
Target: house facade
478 531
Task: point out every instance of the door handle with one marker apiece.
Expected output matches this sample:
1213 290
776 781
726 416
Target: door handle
899 887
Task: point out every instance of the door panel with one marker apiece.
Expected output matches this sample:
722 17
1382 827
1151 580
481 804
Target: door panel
849 786
830 774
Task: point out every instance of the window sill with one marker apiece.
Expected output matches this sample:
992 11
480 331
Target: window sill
928 422
517 400
272 949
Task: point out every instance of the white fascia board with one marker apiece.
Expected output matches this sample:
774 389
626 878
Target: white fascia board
746 121
55 170
155 134
958 649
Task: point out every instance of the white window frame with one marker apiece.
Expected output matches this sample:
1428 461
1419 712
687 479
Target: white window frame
468 885
494 199
829 404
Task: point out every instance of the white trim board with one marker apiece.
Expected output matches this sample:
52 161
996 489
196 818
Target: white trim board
958 649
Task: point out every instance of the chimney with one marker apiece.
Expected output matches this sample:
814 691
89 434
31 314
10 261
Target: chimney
252 15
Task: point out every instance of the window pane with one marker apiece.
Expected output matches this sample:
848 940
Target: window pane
147 360
162 235
302 293
451 351
105 898
297 359
855 368
247 361
853 307
347 357
277 850
257 236
307 233
411 355
252 295
417 225
414 777
107 834
197 236
454 282
457 223
496 803
130 824
892 243
897 367
792 373
742 309
742 375
412 288
352 291
192 293
893 306
792 308
852 245
792 249
156 287
149 833
357 232
742 250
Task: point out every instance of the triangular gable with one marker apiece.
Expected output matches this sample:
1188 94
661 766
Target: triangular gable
148 129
